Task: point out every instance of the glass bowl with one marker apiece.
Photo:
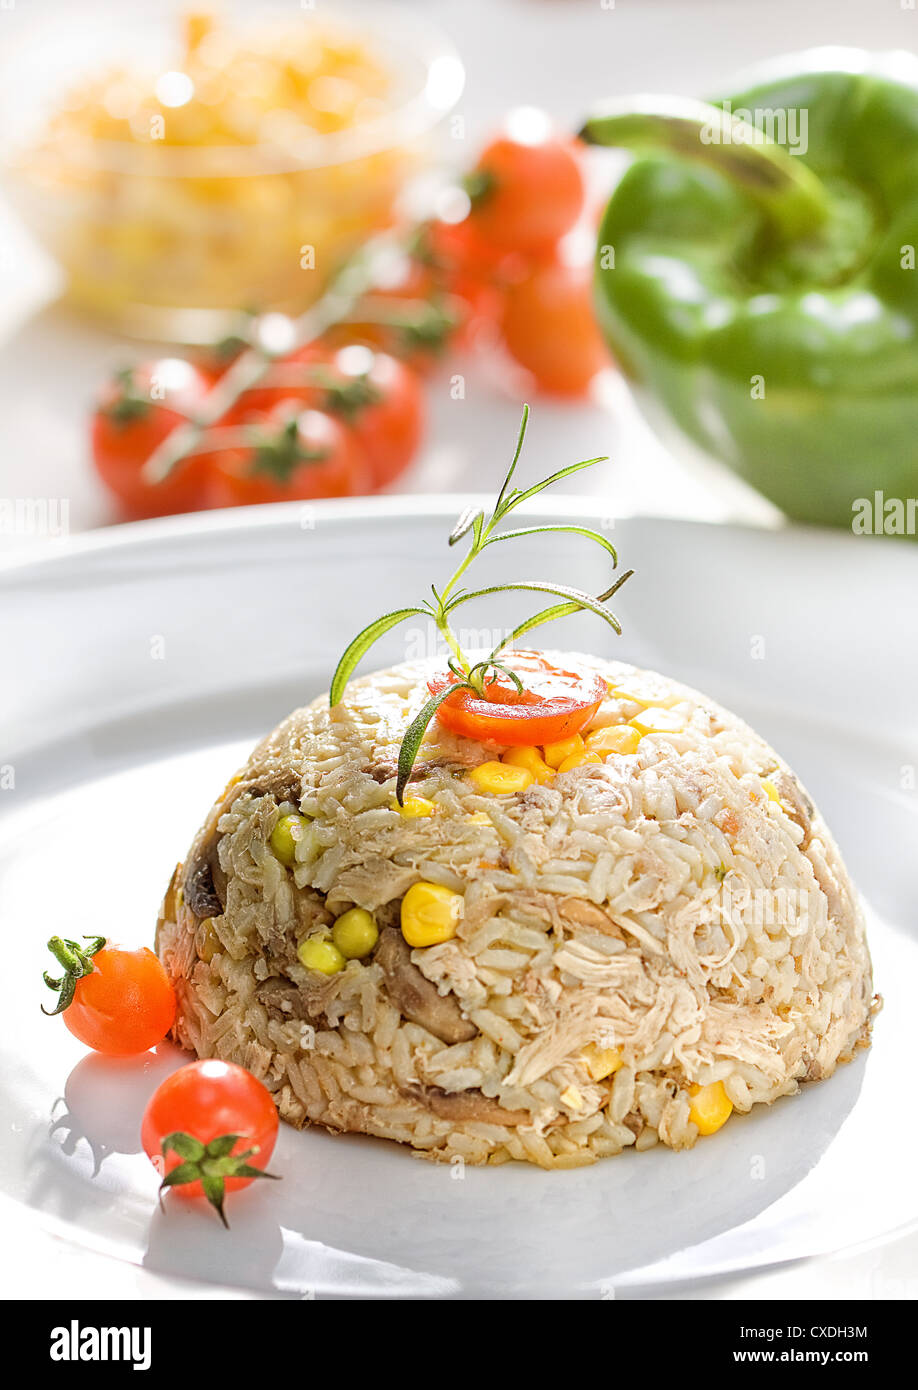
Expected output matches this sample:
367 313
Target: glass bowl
170 238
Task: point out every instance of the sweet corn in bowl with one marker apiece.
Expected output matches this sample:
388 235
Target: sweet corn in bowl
215 165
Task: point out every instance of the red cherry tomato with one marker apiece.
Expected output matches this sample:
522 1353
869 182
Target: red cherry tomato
527 187
126 1004
206 1101
482 309
407 276
216 359
549 327
417 330
305 454
446 293
137 410
287 379
457 249
554 703
381 400
474 276
376 396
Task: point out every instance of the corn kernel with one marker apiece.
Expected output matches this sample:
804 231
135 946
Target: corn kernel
430 913
639 695
601 1062
285 837
572 1098
528 756
578 760
501 779
319 953
658 721
614 738
416 807
770 790
711 1107
355 933
557 753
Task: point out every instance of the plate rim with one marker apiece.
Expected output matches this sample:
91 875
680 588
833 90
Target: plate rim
280 516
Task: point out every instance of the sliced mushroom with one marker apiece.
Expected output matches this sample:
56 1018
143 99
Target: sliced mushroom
466 1105
284 784
586 914
282 999
814 1070
415 997
205 881
796 804
384 769
200 887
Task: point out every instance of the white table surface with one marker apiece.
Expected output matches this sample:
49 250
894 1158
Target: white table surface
561 55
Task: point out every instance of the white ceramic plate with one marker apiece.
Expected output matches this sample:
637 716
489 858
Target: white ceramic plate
141 665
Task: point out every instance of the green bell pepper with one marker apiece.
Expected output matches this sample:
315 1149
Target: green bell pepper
762 293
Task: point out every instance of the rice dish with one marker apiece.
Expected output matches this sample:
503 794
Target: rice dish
641 945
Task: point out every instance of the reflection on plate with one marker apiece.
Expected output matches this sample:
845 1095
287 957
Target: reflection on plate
149 660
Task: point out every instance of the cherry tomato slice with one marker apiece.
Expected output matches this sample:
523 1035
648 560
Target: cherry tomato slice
554 703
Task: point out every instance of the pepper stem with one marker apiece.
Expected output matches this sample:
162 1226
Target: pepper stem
788 192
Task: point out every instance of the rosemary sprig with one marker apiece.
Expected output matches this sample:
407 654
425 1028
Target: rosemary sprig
483 530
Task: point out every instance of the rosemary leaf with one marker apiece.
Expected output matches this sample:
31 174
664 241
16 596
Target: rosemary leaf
536 488
414 736
547 615
499 504
465 522
488 664
361 645
604 597
538 530
582 600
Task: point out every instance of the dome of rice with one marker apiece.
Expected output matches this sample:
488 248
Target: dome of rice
637 947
